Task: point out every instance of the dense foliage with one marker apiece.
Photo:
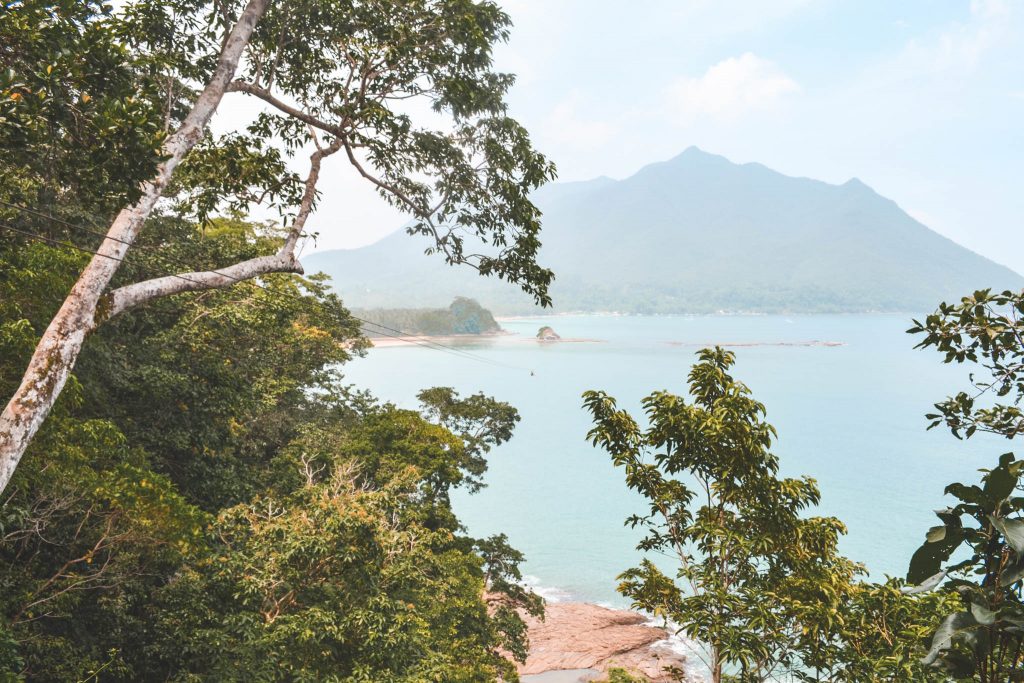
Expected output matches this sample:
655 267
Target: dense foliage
979 545
210 502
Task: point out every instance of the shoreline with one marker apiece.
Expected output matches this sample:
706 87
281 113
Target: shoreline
707 314
419 339
581 641
413 339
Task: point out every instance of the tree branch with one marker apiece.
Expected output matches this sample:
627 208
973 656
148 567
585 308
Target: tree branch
130 296
284 107
387 187
284 261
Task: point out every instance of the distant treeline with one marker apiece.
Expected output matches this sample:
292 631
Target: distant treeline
463 316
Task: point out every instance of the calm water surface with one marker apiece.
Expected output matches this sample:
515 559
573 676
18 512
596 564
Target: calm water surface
850 416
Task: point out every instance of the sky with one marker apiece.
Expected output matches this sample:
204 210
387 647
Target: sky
923 100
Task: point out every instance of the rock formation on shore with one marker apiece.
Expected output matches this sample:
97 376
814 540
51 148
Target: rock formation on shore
576 635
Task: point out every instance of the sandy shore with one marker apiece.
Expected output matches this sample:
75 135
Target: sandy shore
417 340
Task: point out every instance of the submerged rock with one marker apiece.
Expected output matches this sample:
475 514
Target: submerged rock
576 635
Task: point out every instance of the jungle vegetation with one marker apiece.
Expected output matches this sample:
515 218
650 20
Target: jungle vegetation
191 491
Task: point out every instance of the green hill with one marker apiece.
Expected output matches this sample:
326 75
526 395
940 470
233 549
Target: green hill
463 316
697 234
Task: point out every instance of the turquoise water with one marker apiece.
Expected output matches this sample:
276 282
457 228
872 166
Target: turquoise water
850 416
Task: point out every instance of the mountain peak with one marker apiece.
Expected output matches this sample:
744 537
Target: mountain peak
694 154
858 187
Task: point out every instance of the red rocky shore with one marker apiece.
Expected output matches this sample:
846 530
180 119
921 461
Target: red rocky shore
577 635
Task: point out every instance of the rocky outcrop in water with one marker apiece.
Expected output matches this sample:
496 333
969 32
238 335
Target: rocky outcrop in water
576 635
547 333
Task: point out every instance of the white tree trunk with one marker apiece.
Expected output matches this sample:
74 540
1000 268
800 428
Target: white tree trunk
57 351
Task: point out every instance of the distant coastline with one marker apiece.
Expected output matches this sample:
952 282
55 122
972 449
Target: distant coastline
414 339
717 314
505 335
810 342
411 339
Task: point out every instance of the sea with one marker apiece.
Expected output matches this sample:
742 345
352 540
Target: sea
847 394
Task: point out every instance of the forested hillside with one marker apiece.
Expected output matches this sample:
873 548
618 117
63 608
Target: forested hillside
463 316
188 490
207 501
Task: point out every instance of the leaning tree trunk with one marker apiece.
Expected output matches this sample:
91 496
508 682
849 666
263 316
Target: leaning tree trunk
57 351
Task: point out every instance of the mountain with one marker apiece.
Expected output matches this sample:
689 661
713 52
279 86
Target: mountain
696 234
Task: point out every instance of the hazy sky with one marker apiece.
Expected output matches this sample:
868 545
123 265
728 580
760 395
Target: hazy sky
921 99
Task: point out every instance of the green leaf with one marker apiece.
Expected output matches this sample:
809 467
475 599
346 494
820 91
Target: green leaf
1000 482
943 637
983 614
1012 573
928 559
1012 530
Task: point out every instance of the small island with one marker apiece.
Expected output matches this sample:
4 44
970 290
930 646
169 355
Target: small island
463 316
548 333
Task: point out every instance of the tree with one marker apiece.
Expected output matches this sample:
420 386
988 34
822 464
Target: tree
981 562
336 76
479 421
334 581
755 581
984 639
986 329
73 110
879 636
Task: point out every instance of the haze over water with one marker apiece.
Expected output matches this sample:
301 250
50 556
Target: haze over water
850 416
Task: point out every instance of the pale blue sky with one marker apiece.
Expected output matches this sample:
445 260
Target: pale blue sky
921 99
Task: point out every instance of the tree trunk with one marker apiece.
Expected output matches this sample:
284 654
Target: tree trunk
57 351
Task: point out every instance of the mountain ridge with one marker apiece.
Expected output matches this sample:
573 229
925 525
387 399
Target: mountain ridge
697 234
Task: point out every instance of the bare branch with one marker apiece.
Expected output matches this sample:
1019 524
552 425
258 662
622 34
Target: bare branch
387 187
284 107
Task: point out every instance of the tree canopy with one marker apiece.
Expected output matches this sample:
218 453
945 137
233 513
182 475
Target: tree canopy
406 92
210 501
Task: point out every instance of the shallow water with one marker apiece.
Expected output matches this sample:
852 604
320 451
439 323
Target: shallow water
850 416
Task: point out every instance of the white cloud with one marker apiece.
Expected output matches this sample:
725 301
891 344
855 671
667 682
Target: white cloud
959 47
729 89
